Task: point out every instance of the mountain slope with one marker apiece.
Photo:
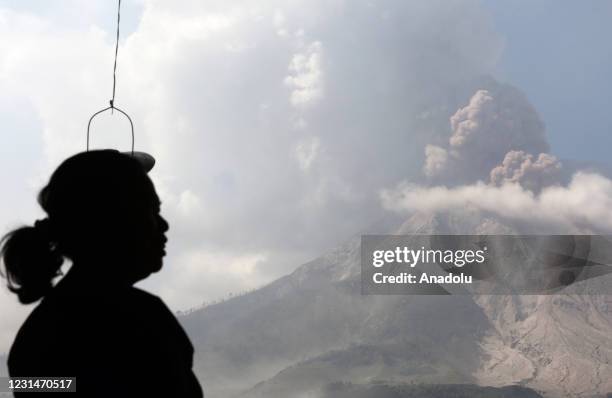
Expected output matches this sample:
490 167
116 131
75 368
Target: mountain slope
313 327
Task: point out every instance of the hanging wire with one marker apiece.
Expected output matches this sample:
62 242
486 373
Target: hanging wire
112 101
112 106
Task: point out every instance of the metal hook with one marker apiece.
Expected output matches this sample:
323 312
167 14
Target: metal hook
111 107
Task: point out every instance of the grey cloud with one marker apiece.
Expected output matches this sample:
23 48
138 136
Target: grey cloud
520 167
287 119
436 160
494 122
274 124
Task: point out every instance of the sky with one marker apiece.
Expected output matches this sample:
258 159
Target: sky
558 53
282 128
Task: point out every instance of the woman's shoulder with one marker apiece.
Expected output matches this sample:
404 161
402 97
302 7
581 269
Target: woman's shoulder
99 298
65 313
125 318
141 297
144 305
160 314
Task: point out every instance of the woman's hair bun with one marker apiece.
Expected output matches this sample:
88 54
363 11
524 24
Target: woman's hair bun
31 261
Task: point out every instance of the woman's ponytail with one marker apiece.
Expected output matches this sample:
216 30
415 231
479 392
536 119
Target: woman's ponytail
31 261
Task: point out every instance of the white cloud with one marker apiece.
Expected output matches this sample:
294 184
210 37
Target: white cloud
189 203
279 23
306 152
583 206
216 273
306 78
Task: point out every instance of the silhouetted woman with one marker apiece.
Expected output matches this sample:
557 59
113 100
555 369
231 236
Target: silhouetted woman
102 214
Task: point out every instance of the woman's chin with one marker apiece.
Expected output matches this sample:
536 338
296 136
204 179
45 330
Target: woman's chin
158 264
148 267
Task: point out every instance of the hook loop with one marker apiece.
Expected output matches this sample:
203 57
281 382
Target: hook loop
111 107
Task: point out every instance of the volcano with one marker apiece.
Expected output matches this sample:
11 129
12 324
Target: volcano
313 334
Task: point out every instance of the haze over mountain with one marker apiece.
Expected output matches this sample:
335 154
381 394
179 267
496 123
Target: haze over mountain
313 328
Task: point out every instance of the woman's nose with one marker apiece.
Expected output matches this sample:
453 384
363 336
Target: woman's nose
164 224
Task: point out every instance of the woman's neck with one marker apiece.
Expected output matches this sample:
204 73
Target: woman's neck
87 276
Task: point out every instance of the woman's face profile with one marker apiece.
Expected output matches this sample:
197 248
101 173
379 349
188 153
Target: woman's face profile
103 214
157 245
111 215
148 243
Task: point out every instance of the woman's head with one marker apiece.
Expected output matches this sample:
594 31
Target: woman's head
102 213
